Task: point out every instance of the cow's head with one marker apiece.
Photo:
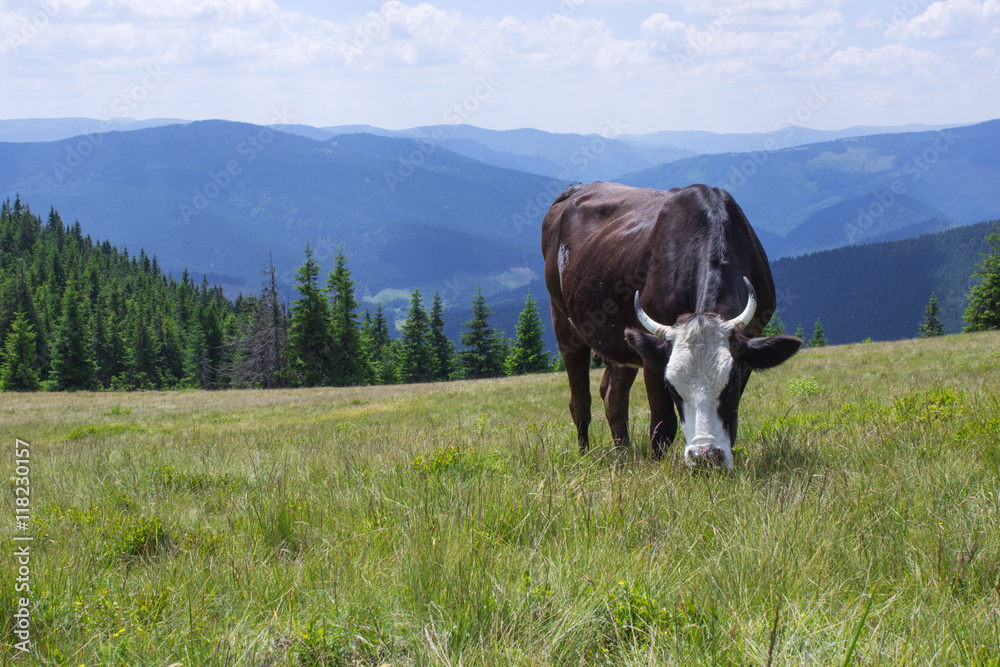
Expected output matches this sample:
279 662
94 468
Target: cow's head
706 362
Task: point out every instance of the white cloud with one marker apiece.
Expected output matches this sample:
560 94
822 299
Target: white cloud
404 64
948 19
892 60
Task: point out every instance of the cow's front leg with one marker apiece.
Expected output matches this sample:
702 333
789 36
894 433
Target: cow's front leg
662 417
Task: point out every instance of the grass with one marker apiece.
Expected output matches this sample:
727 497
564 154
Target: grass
456 524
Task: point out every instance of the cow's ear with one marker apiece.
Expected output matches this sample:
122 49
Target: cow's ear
771 351
653 350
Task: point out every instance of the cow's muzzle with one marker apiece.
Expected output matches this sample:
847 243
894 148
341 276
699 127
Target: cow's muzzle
707 455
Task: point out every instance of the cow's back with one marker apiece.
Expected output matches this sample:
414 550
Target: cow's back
603 242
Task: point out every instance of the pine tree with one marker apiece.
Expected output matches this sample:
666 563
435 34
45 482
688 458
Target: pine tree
417 362
983 311
18 371
819 336
931 326
345 356
310 336
73 364
443 349
527 353
484 356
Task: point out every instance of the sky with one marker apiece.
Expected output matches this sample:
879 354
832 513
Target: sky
587 66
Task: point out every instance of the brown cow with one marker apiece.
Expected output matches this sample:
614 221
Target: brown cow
619 261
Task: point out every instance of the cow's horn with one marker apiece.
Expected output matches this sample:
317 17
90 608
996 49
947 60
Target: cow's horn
653 327
740 322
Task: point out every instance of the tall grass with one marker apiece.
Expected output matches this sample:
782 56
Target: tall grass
457 524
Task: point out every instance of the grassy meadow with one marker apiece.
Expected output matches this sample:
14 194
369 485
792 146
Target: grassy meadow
457 524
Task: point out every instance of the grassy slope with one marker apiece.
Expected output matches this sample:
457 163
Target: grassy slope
456 523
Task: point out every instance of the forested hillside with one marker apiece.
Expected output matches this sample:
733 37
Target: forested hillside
81 314
880 290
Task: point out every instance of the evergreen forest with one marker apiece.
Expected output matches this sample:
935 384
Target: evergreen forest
80 314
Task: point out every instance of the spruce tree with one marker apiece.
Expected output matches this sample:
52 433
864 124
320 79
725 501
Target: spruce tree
18 371
931 326
527 353
347 363
417 362
485 354
381 350
345 355
310 337
73 364
983 311
819 336
197 364
443 349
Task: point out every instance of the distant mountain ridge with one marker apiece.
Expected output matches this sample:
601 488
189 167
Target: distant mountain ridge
221 197
603 155
838 193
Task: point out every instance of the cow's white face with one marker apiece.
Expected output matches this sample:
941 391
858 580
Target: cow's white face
706 362
699 370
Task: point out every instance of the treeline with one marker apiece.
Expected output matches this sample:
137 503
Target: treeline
79 314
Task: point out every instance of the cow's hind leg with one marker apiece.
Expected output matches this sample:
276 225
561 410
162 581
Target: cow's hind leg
578 370
615 386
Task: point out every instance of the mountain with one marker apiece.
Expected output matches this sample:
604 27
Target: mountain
842 192
221 198
218 197
54 129
849 219
568 157
880 290
708 143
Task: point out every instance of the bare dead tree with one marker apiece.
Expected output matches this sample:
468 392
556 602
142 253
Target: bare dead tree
258 345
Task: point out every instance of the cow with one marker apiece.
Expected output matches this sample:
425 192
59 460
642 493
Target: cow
673 282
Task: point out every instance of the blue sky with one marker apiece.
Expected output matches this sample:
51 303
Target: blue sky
559 65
